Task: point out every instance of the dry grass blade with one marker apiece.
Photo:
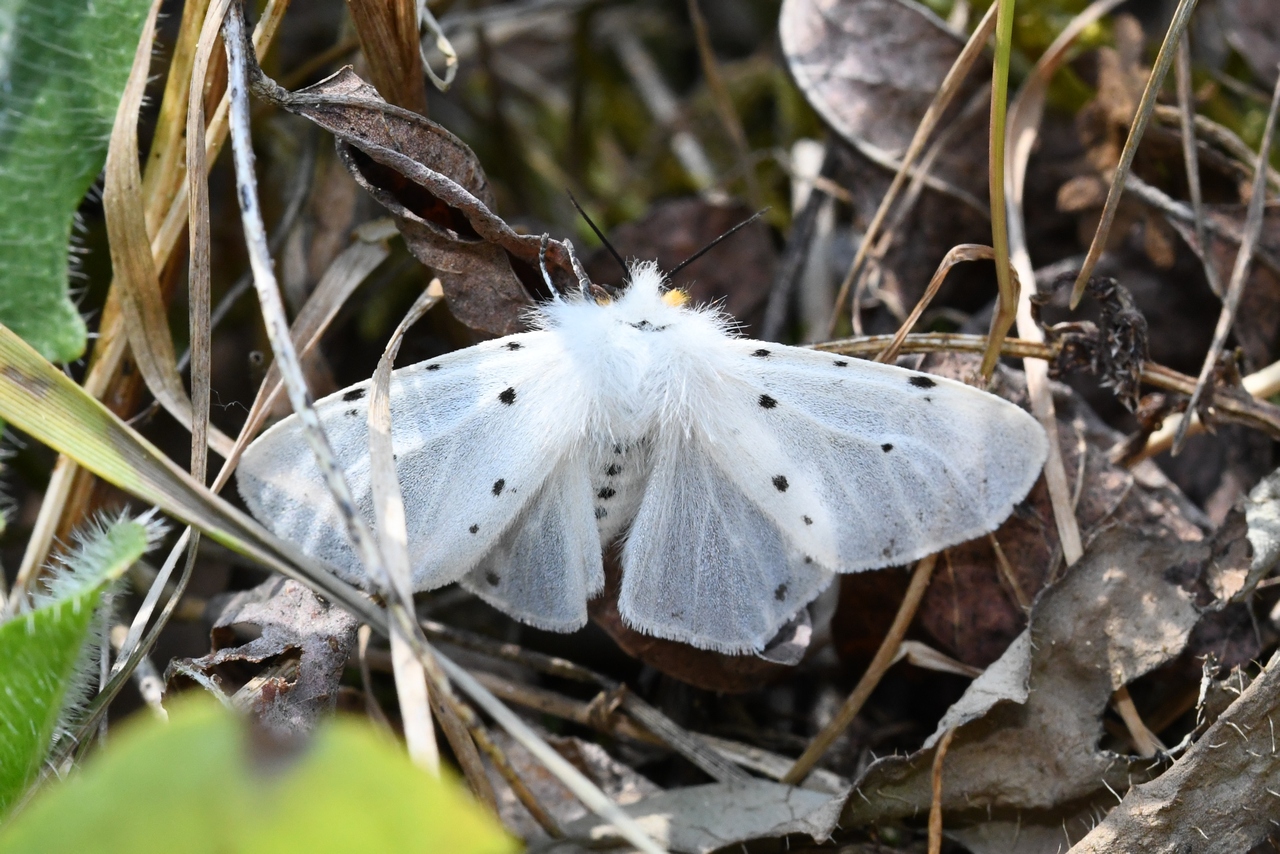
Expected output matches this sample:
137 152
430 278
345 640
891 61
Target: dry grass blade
882 661
1169 47
141 302
388 503
946 92
388 33
1191 157
1225 138
935 807
955 255
1240 272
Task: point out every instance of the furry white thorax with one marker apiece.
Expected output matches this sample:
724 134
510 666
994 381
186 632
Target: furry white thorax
641 358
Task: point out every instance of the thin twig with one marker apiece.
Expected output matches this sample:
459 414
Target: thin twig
935 803
1240 272
1169 47
1190 157
883 659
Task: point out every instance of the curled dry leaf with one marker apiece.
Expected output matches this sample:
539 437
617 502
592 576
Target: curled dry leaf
434 186
1219 797
1027 730
291 623
702 819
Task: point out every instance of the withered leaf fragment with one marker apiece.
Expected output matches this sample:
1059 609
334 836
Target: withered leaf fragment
435 188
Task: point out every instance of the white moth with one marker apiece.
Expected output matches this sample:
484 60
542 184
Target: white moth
740 474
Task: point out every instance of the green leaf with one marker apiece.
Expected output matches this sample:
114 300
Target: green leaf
202 783
64 64
39 650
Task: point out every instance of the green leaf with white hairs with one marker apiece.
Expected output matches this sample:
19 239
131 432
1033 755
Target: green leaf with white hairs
40 650
64 64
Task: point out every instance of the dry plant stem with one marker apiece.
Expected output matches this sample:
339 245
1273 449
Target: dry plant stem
956 254
1190 157
504 767
883 659
935 805
371 707
582 788
111 346
388 33
1239 273
147 678
1144 740
946 92
1006 570
723 102
1169 47
388 502
1224 138
1264 384
1007 305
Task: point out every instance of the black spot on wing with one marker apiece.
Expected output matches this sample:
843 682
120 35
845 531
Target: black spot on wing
474 528
492 578
780 593
886 447
352 413
613 470
807 520
841 363
780 483
508 396
767 402
513 345
433 367
354 394
601 512
761 353
921 381
498 485
606 493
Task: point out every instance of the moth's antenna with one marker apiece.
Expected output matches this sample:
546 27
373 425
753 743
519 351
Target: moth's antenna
704 250
542 264
599 234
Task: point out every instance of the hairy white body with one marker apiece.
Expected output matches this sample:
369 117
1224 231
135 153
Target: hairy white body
741 474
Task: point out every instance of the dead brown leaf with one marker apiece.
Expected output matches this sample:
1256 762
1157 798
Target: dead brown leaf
1028 727
290 623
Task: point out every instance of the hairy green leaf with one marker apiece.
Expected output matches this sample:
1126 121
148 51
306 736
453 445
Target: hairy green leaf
39 649
64 64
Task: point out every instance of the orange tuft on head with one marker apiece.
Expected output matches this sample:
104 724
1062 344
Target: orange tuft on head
676 297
